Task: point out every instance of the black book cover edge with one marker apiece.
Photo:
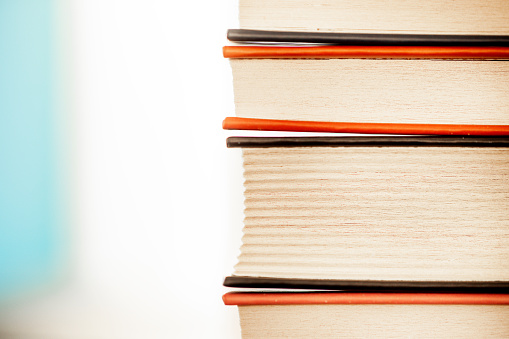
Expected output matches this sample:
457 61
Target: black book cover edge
367 39
385 141
369 285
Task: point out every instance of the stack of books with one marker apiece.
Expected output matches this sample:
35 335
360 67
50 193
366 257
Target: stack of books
401 229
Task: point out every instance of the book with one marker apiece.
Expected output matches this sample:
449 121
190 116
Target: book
372 16
372 236
375 213
411 91
365 315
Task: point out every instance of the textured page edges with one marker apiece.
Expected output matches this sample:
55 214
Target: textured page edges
365 39
373 91
369 285
425 141
371 16
246 298
371 52
231 123
318 241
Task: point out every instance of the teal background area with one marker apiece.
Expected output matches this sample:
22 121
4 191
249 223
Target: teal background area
30 229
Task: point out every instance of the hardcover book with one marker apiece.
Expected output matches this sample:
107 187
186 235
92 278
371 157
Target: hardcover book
375 213
357 90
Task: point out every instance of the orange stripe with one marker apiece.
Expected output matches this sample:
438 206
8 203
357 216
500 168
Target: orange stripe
365 128
392 52
244 299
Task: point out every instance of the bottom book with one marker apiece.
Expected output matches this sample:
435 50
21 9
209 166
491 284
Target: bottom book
365 315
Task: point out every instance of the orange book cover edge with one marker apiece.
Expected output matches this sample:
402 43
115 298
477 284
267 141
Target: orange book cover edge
300 298
236 123
368 52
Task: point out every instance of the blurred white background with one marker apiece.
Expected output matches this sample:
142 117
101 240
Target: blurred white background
155 195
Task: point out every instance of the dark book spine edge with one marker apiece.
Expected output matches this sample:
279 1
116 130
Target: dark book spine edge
369 285
363 39
385 141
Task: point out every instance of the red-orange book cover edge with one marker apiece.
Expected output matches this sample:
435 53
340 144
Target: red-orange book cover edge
237 123
365 52
318 298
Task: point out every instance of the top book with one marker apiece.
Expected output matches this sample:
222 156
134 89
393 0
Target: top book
375 16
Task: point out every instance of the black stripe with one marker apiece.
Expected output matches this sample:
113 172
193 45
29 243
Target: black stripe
369 285
363 39
386 141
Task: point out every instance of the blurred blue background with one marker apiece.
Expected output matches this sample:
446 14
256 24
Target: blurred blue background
30 217
120 206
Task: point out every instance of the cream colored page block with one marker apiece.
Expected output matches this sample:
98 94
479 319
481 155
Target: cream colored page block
373 16
398 213
390 91
375 321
